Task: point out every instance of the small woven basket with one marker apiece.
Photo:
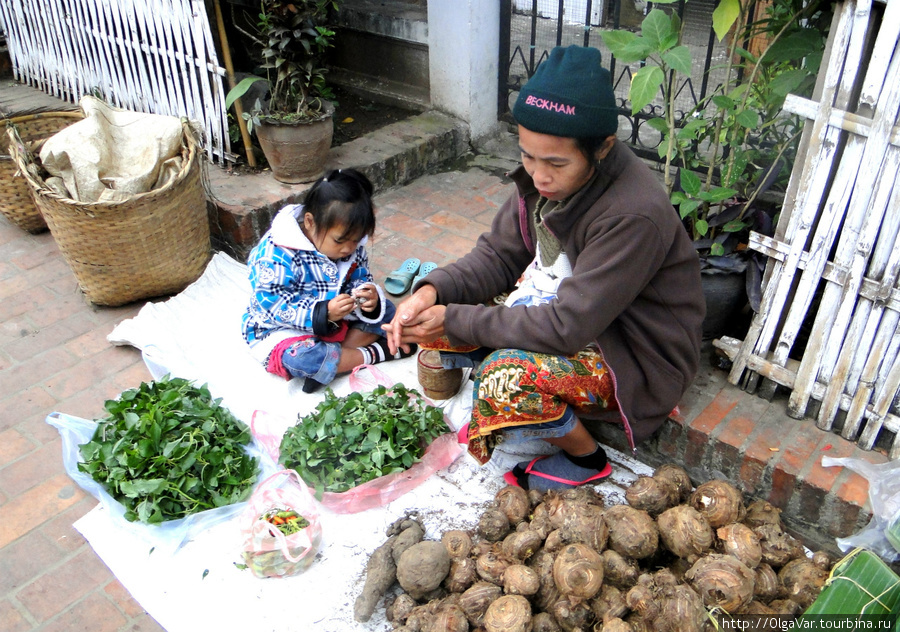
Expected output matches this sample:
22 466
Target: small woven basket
152 244
15 198
436 381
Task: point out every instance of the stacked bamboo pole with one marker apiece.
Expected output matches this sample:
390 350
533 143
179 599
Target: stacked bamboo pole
839 244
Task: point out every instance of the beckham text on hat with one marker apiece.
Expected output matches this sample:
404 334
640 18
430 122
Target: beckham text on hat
546 104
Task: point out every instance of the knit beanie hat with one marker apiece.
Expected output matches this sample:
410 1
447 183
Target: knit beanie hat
570 95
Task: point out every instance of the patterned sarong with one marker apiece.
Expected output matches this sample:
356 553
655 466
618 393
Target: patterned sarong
516 388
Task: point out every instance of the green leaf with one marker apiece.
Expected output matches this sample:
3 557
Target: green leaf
688 207
716 250
617 40
701 226
718 194
240 90
724 17
734 226
657 28
133 489
748 119
638 49
691 129
644 87
737 93
659 124
679 59
131 419
723 102
741 160
787 81
795 46
690 182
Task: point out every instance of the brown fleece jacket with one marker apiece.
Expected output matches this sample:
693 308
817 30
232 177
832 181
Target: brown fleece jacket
635 287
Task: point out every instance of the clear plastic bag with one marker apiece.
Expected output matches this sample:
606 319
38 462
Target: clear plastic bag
268 429
266 550
884 498
167 536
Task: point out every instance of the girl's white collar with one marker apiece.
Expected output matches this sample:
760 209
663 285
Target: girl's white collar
286 231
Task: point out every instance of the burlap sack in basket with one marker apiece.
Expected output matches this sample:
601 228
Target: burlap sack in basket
153 244
16 203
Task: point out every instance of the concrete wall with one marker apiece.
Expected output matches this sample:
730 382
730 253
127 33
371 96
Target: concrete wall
381 51
443 56
463 40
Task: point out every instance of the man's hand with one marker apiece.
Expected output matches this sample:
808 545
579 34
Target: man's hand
418 319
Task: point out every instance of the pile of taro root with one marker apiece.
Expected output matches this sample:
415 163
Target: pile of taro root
564 561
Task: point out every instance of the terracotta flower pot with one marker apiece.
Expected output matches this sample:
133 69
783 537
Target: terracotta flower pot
296 153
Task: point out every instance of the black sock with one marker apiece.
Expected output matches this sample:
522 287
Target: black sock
310 385
596 460
378 351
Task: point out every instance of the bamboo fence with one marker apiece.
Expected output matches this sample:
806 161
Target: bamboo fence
835 257
154 56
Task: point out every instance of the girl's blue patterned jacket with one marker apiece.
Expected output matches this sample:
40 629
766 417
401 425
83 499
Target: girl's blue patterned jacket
292 283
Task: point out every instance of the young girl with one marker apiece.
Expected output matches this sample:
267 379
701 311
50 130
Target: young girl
315 311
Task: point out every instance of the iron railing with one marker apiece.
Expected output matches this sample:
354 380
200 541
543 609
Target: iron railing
531 28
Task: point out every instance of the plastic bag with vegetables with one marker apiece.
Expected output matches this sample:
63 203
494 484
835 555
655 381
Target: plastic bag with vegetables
280 527
345 433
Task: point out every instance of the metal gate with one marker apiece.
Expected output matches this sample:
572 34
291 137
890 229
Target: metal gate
531 28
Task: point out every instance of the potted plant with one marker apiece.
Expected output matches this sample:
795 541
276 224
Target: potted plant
725 153
294 126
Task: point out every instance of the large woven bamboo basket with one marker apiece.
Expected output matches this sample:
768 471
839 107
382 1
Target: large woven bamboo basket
152 244
15 198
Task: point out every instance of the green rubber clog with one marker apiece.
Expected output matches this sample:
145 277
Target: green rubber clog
400 280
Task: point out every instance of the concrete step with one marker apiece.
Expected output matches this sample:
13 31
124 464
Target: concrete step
241 206
381 51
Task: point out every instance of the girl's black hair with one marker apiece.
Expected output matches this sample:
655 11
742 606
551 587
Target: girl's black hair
342 197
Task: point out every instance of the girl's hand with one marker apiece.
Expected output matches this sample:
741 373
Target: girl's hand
366 297
340 306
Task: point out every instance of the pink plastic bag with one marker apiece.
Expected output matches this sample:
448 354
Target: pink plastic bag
444 450
266 550
361 383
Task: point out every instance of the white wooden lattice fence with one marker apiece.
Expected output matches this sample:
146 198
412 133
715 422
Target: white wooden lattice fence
154 56
838 243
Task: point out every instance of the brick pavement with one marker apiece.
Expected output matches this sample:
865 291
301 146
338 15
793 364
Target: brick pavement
54 356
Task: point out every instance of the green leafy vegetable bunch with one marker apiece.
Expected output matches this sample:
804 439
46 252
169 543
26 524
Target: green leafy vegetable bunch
347 441
167 449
